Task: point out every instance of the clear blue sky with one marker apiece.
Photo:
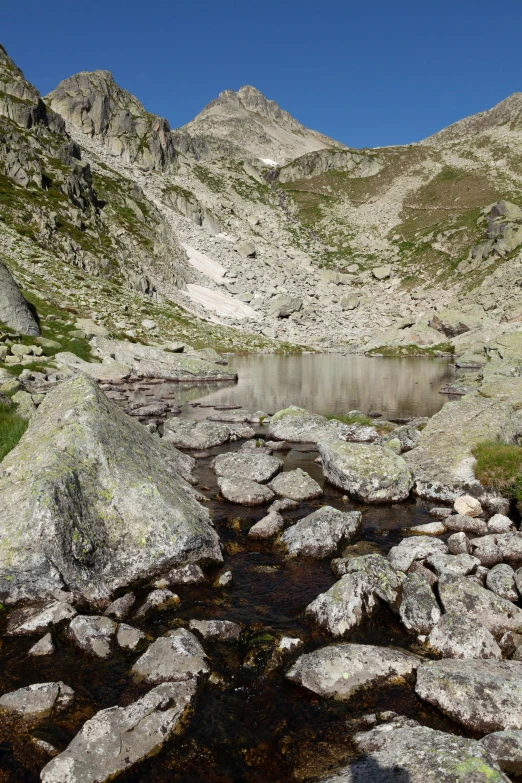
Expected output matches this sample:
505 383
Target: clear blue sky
366 73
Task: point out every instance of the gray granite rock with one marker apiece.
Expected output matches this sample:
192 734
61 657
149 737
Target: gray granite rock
456 636
39 700
419 610
175 657
462 595
244 492
320 534
254 467
296 485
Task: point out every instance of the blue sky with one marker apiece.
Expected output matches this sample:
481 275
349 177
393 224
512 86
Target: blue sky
366 73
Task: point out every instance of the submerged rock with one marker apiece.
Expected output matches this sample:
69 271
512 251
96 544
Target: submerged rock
296 485
254 467
482 695
456 636
341 670
244 491
190 434
90 500
372 474
175 657
117 738
39 700
321 533
417 754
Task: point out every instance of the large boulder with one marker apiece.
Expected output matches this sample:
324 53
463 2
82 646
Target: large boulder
90 501
117 738
372 474
465 596
442 462
296 425
339 671
322 532
191 434
417 754
481 695
456 636
15 313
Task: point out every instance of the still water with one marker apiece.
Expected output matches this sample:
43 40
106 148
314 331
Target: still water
331 383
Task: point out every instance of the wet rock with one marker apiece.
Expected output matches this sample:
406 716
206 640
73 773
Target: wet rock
468 506
459 544
372 474
340 671
465 524
224 580
320 534
104 504
190 434
456 636
486 550
93 633
121 607
129 638
186 575
296 485
268 527
464 596
175 657
440 512
419 610
217 630
31 621
117 738
415 548
39 700
454 564
254 467
499 523
505 748
44 647
428 529
244 492
157 601
501 580
355 596
289 644
417 754
361 548
481 695
296 425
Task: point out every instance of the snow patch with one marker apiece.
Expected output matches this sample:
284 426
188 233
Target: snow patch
221 303
269 162
205 264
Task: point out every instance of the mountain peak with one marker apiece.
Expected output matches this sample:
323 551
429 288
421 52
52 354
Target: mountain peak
507 112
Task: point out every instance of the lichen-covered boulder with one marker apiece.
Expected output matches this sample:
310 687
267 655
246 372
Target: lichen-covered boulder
38 701
191 434
175 657
296 485
419 610
415 548
14 310
482 695
339 671
372 474
255 467
505 747
244 491
320 533
456 636
417 754
89 500
296 425
463 595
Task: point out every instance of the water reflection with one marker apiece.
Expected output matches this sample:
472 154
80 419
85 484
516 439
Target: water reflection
330 383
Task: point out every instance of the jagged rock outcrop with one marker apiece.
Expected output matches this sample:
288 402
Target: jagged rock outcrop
14 310
94 103
90 501
244 124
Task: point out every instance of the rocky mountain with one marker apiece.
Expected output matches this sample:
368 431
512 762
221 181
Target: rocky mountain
244 125
405 249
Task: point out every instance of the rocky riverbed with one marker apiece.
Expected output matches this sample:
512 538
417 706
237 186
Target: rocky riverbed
216 593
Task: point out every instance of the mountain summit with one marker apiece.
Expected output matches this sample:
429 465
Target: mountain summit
245 124
506 113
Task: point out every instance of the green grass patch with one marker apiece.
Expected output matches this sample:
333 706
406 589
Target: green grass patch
499 467
12 427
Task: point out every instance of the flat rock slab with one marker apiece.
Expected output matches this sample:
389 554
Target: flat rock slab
464 596
268 527
31 621
442 461
244 491
372 474
418 754
190 434
296 425
456 636
176 657
39 700
340 671
320 534
117 738
102 504
482 695
217 630
255 467
296 485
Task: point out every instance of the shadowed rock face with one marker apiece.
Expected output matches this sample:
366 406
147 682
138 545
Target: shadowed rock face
94 103
14 310
90 500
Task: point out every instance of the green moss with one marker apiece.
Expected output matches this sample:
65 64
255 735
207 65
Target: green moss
364 420
499 467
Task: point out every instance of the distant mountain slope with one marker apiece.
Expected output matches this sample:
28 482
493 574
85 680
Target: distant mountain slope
506 113
244 124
